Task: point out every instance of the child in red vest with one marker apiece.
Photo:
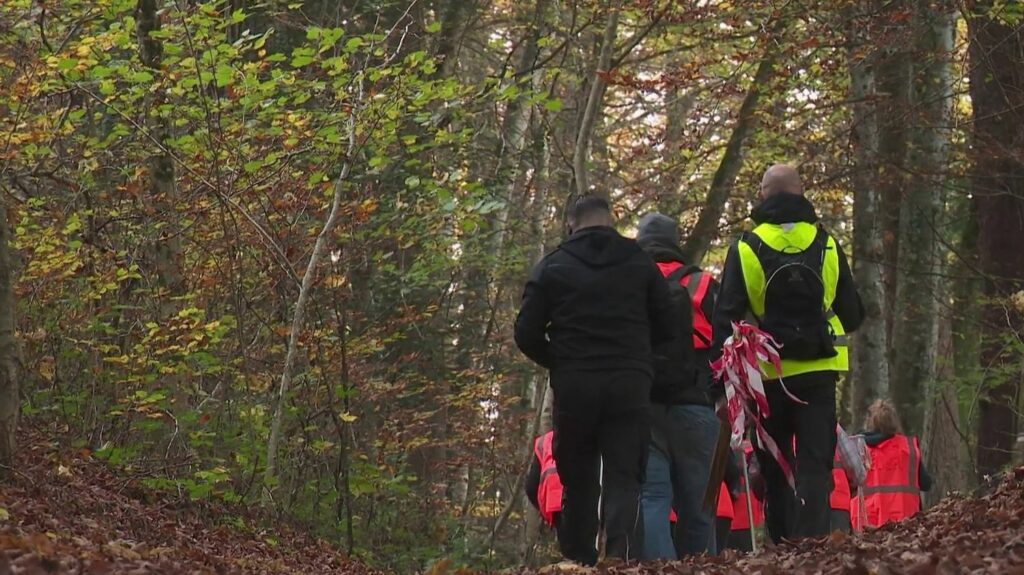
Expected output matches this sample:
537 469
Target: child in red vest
892 490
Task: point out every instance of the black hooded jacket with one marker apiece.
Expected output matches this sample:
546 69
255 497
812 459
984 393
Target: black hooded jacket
596 302
732 297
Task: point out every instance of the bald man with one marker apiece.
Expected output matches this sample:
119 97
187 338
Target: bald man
790 276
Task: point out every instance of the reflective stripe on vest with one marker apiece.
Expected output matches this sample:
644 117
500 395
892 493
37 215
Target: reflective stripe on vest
549 492
797 236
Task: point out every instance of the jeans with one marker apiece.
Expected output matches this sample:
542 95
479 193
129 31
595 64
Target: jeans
657 504
813 426
600 417
690 434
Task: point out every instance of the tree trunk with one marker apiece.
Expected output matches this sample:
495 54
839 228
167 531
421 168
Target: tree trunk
298 320
944 443
915 325
592 110
895 82
706 229
164 251
10 398
869 369
668 196
997 93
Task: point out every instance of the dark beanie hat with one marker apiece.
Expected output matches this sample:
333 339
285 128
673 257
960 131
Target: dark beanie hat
658 226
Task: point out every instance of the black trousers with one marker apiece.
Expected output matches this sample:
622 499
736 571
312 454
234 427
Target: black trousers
814 427
739 539
722 527
600 417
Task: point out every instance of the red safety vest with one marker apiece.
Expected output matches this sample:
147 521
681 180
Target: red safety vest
740 520
839 499
696 283
892 490
549 493
725 510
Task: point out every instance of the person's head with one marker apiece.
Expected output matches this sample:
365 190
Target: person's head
657 227
781 179
589 211
882 418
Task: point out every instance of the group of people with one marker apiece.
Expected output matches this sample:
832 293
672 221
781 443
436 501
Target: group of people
628 330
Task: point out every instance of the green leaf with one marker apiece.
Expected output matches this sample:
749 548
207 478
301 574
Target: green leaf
553 105
300 61
412 182
434 27
66 64
224 75
142 76
100 72
353 44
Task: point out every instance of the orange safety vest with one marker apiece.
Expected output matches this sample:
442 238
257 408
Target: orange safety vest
839 499
892 490
549 493
740 520
724 503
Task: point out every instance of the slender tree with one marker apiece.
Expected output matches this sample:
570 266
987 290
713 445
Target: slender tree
593 109
10 398
870 370
916 321
706 230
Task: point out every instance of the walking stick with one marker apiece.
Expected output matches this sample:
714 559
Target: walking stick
750 505
861 510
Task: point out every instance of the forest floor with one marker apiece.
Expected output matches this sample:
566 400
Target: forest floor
976 535
64 512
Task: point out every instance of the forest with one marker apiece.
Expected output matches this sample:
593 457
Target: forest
268 253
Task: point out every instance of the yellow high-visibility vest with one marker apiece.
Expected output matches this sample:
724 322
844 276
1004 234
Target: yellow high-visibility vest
795 238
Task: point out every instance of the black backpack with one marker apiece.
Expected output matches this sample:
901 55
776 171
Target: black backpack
794 295
674 374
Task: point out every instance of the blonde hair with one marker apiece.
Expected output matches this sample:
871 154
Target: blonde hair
882 418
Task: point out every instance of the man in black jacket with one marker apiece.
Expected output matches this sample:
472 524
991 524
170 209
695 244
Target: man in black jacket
792 277
591 311
684 427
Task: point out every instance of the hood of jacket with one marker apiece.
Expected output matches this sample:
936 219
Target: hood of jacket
784 209
658 235
599 246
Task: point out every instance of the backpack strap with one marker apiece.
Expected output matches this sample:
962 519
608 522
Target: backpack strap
678 274
689 270
821 242
754 241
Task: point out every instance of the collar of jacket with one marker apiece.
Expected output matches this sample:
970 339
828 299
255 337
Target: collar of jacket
661 250
784 209
594 230
874 438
